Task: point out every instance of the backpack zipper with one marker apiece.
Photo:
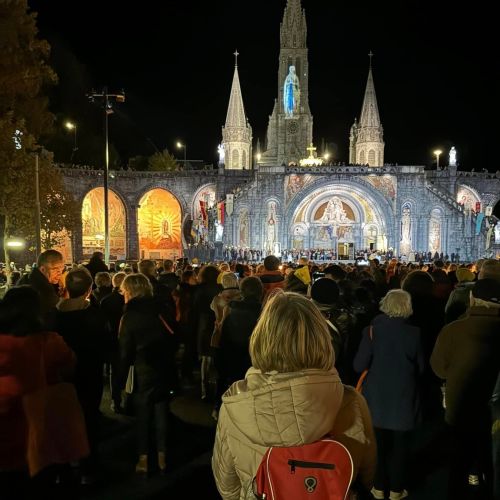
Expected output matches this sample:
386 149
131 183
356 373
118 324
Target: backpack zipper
309 465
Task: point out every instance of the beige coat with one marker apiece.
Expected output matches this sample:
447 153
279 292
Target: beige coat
287 409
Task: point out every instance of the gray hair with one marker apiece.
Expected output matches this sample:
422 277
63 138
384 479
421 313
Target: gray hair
397 304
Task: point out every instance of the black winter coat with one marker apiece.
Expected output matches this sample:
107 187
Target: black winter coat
205 317
49 297
233 356
395 362
147 344
85 332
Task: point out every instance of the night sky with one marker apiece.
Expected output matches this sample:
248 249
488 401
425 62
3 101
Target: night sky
433 71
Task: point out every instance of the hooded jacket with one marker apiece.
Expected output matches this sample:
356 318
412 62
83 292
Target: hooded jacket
286 409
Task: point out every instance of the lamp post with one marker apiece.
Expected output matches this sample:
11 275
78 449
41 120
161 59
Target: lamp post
179 146
107 101
437 152
72 126
38 222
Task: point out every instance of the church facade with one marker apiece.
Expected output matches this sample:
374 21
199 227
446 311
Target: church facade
284 196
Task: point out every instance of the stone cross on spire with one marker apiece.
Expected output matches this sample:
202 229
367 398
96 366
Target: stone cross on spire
370 55
236 54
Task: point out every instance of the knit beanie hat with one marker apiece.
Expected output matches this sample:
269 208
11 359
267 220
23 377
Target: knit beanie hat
464 274
325 293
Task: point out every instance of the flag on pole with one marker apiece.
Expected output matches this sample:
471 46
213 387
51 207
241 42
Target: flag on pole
479 221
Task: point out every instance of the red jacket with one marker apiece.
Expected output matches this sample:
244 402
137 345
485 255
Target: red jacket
20 374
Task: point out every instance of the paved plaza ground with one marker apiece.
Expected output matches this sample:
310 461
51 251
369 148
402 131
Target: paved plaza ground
191 435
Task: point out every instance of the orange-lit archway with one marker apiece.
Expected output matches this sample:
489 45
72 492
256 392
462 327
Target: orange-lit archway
159 225
93 224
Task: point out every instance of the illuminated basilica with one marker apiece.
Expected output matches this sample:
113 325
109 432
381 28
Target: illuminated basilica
284 196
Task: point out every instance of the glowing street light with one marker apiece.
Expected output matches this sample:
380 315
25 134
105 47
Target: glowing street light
15 244
326 156
183 146
437 152
72 126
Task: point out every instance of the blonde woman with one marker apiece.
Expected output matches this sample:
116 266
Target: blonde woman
291 396
147 342
391 350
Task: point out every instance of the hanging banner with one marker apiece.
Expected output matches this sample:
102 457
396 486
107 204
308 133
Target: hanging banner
478 207
220 212
229 204
203 210
488 211
479 221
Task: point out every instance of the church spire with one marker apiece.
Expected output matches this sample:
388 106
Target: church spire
237 133
369 111
366 141
293 28
236 111
290 127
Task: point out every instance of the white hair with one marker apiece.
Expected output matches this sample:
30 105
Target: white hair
397 304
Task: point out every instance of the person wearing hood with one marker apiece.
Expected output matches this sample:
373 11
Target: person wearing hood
148 343
291 396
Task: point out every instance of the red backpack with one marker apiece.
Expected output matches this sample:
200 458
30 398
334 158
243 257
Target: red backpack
321 470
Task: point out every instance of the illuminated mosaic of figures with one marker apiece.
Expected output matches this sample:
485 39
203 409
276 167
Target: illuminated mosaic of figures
385 184
159 225
244 230
207 194
295 183
467 198
271 226
405 243
435 232
93 223
334 210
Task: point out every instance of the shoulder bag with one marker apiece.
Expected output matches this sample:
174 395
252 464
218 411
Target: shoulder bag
359 385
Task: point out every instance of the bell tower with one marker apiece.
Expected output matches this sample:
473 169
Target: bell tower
290 126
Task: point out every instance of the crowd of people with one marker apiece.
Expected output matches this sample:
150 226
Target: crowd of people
276 348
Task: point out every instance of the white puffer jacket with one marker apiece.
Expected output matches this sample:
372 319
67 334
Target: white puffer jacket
287 409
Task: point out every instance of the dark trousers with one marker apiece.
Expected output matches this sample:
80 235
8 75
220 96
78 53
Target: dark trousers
114 379
392 459
151 418
471 454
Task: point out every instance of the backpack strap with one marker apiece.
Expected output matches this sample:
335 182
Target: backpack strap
166 325
332 326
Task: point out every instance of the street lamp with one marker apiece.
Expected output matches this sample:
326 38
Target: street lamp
72 126
437 152
107 102
179 146
15 244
